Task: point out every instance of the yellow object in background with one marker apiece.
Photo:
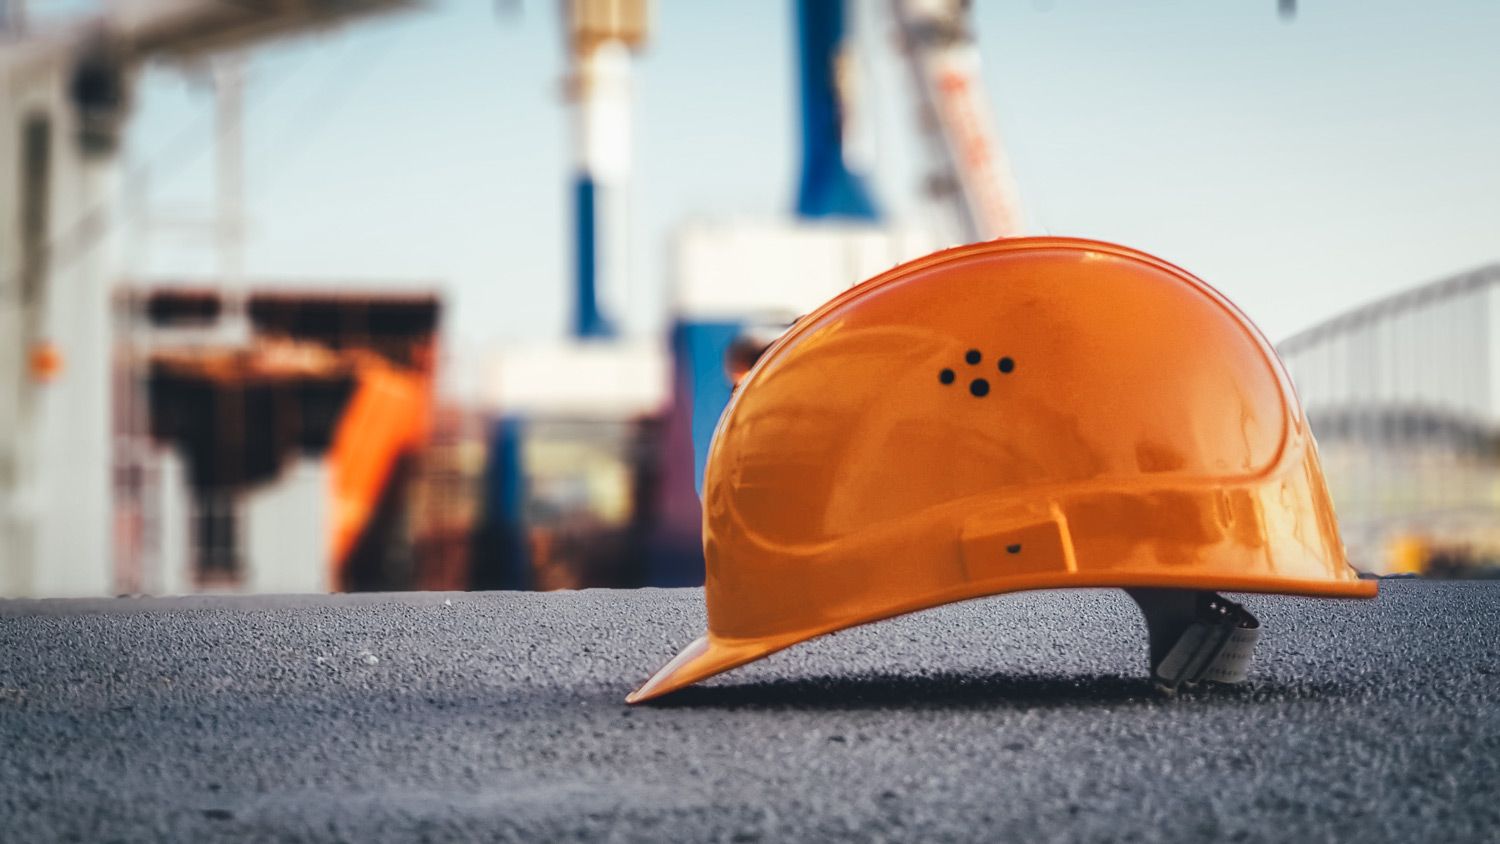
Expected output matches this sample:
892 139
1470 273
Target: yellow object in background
1021 414
1408 555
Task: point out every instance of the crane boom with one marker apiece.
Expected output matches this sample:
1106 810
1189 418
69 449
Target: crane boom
971 170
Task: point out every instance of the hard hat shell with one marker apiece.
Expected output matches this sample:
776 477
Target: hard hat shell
1020 414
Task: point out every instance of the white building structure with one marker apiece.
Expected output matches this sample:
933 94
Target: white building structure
64 98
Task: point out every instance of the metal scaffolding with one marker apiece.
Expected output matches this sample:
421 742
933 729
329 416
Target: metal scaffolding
1403 395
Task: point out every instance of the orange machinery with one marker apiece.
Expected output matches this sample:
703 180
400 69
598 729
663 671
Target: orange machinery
346 376
389 416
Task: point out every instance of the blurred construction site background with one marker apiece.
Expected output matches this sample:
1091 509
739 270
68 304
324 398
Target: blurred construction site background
312 295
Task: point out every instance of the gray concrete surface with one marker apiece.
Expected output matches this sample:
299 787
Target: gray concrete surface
500 717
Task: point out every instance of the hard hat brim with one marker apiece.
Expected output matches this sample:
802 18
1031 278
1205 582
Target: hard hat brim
709 655
704 658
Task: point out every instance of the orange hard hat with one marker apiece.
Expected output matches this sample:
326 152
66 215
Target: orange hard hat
1021 414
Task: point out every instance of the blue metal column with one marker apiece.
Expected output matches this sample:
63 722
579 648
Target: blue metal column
827 188
502 553
588 320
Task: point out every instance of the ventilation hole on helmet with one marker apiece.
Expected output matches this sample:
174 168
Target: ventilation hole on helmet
973 356
979 387
946 376
1006 364
1013 549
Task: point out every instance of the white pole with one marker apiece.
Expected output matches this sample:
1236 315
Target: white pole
229 91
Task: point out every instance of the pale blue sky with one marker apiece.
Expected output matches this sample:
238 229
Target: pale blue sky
1300 167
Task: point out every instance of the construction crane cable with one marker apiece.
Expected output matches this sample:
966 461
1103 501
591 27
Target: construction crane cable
329 98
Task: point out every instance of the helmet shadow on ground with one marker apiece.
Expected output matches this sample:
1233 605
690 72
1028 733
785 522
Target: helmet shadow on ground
970 691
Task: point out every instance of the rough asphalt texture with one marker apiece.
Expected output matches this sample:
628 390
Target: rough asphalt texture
500 717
